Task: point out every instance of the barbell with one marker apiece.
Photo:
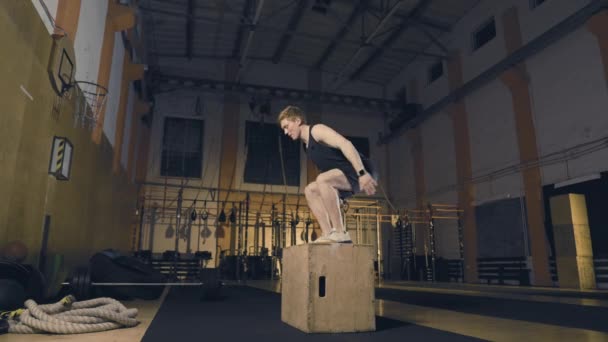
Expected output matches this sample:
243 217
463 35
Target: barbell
81 284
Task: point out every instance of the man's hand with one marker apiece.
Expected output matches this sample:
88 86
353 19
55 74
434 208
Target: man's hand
367 184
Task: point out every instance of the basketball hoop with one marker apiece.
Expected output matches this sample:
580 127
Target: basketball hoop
90 99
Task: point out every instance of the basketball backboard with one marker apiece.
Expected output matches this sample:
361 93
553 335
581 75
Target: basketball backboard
62 64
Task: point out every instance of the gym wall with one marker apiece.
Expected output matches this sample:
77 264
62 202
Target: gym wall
568 98
89 37
91 211
127 150
113 98
400 173
182 103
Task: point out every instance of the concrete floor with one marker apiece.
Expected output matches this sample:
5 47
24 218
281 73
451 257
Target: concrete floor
479 326
483 327
147 311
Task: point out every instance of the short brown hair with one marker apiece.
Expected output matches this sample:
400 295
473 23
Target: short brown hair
291 113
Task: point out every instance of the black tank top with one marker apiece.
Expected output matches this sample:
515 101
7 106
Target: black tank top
327 158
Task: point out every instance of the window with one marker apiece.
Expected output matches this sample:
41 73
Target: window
484 34
263 162
435 71
182 154
361 144
535 3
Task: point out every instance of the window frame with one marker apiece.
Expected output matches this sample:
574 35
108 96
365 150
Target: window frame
165 172
293 179
536 3
430 72
480 28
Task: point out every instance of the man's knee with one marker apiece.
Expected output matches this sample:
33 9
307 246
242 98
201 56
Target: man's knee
311 189
321 178
325 187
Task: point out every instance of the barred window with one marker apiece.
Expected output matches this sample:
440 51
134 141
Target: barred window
435 71
484 34
263 161
361 144
182 153
535 3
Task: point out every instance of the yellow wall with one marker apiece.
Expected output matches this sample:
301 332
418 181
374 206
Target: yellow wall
94 209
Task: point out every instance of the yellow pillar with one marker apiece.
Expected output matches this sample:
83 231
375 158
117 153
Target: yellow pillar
143 150
574 255
118 18
68 13
414 138
130 73
598 25
466 189
422 233
516 80
313 115
139 109
229 151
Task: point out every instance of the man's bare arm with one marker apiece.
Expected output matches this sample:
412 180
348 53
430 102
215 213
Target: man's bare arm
334 139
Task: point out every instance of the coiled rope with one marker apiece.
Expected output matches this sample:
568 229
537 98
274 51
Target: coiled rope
70 317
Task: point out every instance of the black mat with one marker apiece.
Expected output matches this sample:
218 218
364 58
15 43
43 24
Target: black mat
248 313
566 315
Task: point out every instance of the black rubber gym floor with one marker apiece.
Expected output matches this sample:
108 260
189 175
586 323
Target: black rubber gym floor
566 315
247 313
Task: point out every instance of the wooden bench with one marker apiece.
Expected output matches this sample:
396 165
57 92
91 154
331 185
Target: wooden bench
511 270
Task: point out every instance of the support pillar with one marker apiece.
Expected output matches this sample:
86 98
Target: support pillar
466 189
517 81
574 254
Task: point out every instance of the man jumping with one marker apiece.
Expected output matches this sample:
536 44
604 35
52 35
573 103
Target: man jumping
344 171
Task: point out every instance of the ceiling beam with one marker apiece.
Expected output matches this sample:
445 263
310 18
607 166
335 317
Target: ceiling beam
292 26
414 13
256 18
429 22
426 21
434 24
173 82
190 30
420 53
236 50
537 45
368 40
433 39
259 27
359 8
211 57
218 30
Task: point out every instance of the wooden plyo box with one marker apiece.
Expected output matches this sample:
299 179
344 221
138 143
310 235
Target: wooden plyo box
328 288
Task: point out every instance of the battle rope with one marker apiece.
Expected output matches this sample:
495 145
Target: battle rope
70 317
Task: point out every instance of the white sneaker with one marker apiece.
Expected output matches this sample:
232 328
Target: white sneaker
334 237
323 239
343 237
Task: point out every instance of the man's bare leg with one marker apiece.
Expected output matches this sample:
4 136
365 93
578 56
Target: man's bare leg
331 200
315 203
328 184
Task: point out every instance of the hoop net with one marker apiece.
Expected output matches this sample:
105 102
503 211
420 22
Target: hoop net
90 99
58 102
